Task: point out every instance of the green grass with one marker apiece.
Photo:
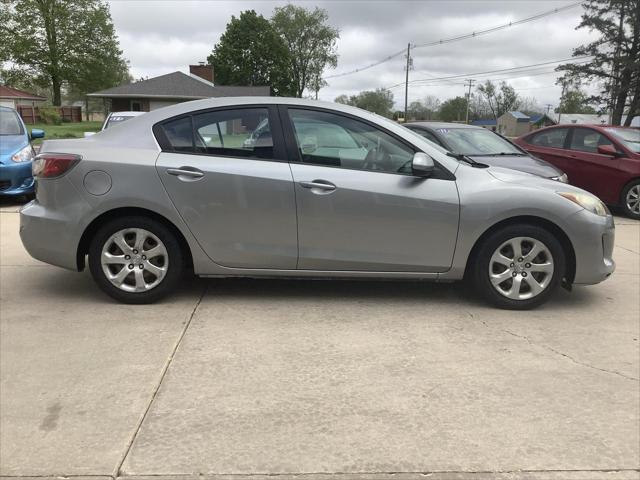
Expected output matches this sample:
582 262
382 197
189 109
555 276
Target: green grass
64 130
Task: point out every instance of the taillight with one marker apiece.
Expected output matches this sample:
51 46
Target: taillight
51 165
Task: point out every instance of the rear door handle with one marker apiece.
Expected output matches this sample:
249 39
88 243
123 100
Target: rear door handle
190 172
319 185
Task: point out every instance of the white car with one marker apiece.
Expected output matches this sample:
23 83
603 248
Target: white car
114 118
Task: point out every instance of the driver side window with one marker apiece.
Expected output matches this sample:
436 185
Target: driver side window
338 141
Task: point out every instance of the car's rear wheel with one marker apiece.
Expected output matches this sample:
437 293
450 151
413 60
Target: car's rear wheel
135 259
631 199
519 267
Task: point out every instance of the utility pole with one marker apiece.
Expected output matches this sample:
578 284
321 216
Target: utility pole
548 105
470 84
406 82
564 86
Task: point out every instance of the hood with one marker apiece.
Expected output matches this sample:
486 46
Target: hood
528 164
509 175
10 144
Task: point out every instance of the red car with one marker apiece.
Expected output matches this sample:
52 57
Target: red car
603 160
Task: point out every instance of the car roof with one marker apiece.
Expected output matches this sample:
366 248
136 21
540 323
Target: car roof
436 125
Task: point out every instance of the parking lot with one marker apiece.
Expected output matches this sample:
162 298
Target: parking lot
316 379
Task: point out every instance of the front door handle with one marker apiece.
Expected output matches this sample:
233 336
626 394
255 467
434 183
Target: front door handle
189 172
321 185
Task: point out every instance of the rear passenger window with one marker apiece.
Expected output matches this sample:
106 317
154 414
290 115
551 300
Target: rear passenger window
179 135
242 132
587 140
551 138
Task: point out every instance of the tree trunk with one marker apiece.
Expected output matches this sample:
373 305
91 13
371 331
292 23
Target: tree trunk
56 85
634 107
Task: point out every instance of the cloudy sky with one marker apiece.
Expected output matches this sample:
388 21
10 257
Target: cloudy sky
159 37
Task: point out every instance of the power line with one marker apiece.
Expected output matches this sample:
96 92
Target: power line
512 69
455 39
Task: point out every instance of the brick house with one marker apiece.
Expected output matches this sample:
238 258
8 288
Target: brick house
176 87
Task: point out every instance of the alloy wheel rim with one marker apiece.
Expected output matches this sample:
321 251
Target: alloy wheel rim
521 268
633 199
134 260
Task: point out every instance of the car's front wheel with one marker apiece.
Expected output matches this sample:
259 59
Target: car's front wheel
135 259
631 199
519 266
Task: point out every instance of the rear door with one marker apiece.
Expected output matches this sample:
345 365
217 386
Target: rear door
233 188
549 144
359 207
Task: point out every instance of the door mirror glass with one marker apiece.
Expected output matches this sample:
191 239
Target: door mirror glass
607 150
422 165
37 133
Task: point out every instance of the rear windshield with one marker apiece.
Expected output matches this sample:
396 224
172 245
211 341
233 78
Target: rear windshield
629 136
116 119
10 124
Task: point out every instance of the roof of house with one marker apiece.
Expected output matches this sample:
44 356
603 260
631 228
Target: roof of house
14 93
178 85
485 121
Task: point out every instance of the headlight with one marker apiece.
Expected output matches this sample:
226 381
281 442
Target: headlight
562 178
588 202
23 155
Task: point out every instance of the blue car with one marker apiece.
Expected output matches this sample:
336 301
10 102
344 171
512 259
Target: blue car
16 154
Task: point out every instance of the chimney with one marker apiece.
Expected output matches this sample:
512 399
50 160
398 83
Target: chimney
203 71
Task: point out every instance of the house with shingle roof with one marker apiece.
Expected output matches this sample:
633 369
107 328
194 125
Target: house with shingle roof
176 87
12 97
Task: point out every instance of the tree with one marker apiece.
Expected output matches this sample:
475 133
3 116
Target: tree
500 99
378 101
62 42
250 52
423 110
453 110
615 64
311 45
574 100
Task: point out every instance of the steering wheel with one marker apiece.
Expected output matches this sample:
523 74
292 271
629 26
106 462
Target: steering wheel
377 159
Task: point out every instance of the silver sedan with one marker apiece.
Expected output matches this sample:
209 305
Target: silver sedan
264 187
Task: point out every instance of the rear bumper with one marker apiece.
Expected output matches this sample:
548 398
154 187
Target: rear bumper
593 239
16 179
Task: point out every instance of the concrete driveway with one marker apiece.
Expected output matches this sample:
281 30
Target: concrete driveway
247 379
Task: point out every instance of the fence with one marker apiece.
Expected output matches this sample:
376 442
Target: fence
31 115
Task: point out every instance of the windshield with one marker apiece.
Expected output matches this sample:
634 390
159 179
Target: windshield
116 119
476 141
629 137
9 123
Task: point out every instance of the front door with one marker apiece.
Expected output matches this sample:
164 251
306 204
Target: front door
359 207
233 188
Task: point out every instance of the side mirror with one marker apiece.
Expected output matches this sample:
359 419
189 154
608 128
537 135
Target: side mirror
422 165
36 133
608 150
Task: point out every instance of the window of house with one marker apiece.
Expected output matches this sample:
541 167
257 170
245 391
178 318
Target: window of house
587 140
242 132
550 138
339 141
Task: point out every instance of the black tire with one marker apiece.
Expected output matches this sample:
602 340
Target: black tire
623 199
482 258
175 255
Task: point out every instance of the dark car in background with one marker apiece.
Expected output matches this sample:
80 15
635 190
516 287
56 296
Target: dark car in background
603 160
485 146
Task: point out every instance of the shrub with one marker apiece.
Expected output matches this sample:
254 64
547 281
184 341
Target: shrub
50 115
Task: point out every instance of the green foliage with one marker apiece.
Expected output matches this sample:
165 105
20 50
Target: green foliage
60 43
453 110
250 52
310 43
50 115
575 100
378 101
499 99
615 53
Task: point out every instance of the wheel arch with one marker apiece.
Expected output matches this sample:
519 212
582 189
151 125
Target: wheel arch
567 246
96 223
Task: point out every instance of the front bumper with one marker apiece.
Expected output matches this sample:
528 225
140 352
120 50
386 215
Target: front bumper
16 179
593 239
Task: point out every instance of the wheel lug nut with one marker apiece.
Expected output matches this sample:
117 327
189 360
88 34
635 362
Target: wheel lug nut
127 257
528 265
524 274
141 266
130 266
512 265
135 252
514 274
520 259
144 257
